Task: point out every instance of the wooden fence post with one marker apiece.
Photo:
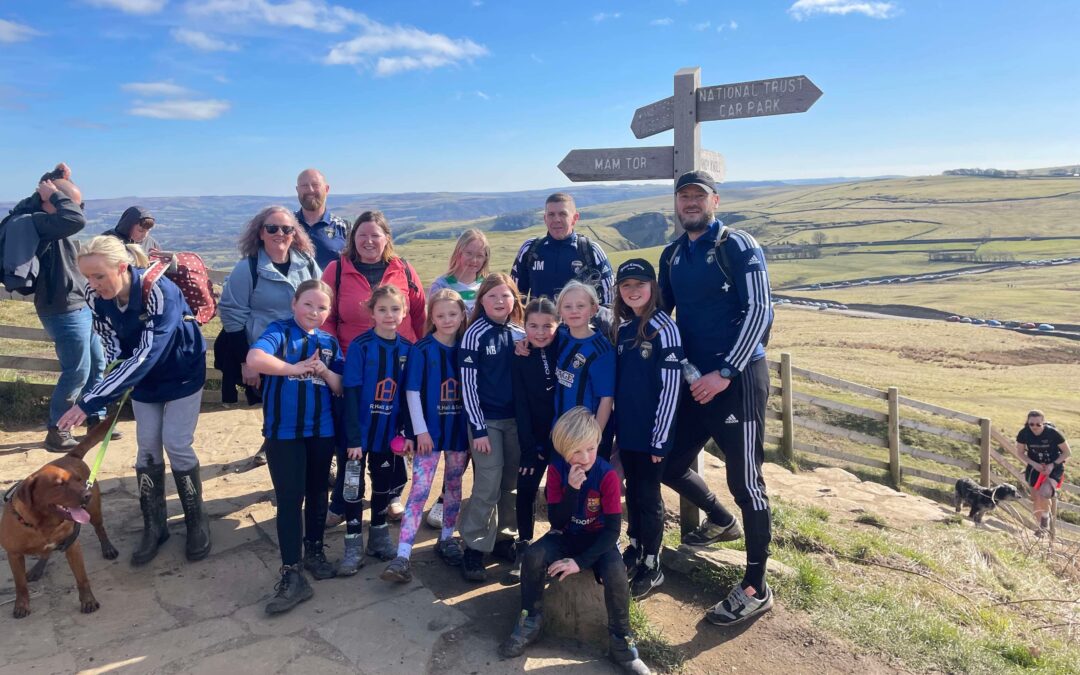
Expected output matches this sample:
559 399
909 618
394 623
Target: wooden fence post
984 452
787 411
894 435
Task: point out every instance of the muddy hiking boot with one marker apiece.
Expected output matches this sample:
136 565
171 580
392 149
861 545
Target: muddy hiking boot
290 590
379 544
710 533
59 441
315 561
189 488
155 519
399 570
450 551
353 559
526 631
472 565
623 652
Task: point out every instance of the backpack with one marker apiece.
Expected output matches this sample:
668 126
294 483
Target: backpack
188 272
724 263
253 267
590 273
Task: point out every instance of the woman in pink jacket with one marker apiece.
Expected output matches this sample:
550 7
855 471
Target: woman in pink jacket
367 262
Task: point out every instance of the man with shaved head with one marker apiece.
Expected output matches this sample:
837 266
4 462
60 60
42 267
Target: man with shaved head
54 215
326 231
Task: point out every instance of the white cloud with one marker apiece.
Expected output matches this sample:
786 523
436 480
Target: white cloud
399 49
15 32
155 89
201 41
386 50
132 6
732 25
536 58
666 21
180 109
307 14
604 16
482 95
804 9
705 25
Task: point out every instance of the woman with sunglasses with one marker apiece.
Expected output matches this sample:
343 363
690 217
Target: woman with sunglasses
277 256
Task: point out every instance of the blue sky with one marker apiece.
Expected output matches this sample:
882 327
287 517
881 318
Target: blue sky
201 97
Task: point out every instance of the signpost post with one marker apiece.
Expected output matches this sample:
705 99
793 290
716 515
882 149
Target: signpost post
690 105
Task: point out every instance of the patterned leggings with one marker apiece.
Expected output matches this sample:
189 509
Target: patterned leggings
424 467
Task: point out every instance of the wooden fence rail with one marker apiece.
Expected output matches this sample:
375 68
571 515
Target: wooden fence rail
982 460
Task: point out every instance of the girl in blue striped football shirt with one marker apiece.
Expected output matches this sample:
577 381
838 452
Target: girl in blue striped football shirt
374 400
437 415
585 367
302 365
647 393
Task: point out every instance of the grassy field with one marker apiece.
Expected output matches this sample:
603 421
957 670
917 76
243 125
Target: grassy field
1038 294
933 596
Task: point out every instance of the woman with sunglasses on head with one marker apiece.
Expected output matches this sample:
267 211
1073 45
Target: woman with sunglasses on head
277 256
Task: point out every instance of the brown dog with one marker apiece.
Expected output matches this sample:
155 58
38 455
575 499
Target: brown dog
42 514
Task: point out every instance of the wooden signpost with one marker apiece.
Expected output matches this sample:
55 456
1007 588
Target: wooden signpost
690 104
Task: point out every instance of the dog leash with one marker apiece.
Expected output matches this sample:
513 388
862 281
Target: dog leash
108 435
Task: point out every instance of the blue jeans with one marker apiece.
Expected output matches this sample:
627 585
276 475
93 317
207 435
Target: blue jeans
82 359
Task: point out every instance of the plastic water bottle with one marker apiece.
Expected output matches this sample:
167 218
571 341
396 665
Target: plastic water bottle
690 372
351 491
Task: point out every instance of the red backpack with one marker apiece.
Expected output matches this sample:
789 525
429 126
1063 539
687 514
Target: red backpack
188 272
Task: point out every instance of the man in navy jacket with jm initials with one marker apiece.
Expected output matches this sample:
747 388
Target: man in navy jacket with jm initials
715 280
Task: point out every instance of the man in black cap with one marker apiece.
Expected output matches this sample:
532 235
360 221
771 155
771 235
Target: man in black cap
134 228
716 277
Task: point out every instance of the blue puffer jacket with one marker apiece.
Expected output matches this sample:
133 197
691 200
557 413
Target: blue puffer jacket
164 353
242 308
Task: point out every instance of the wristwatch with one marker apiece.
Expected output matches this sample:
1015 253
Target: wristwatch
726 373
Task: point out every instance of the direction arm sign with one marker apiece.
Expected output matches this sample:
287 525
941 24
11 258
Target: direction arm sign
651 163
759 98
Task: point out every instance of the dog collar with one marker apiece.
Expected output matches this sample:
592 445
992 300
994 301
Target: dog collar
8 498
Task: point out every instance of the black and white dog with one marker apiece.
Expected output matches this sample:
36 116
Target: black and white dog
981 499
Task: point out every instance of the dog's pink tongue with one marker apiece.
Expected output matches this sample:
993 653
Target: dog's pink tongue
79 515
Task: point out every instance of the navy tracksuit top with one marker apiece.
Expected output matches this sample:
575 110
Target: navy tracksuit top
722 321
487 350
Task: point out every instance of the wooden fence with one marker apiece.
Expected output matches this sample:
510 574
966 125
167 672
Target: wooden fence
984 451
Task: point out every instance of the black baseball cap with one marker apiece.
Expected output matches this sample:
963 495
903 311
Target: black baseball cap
700 178
635 268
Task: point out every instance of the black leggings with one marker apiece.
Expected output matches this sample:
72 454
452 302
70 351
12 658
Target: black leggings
527 487
388 477
298 470
644 505
735 419
609 569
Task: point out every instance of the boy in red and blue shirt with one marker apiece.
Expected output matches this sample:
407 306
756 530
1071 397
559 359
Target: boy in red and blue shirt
585 510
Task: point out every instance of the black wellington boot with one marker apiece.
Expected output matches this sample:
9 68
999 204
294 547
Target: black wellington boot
152 503
189 486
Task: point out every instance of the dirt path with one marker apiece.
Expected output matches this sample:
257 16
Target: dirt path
174 616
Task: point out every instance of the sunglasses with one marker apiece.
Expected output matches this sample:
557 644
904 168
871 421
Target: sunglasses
1035 424
273 229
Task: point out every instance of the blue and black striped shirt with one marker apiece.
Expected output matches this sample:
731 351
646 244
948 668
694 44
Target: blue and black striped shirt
374 382
433 371
298 406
